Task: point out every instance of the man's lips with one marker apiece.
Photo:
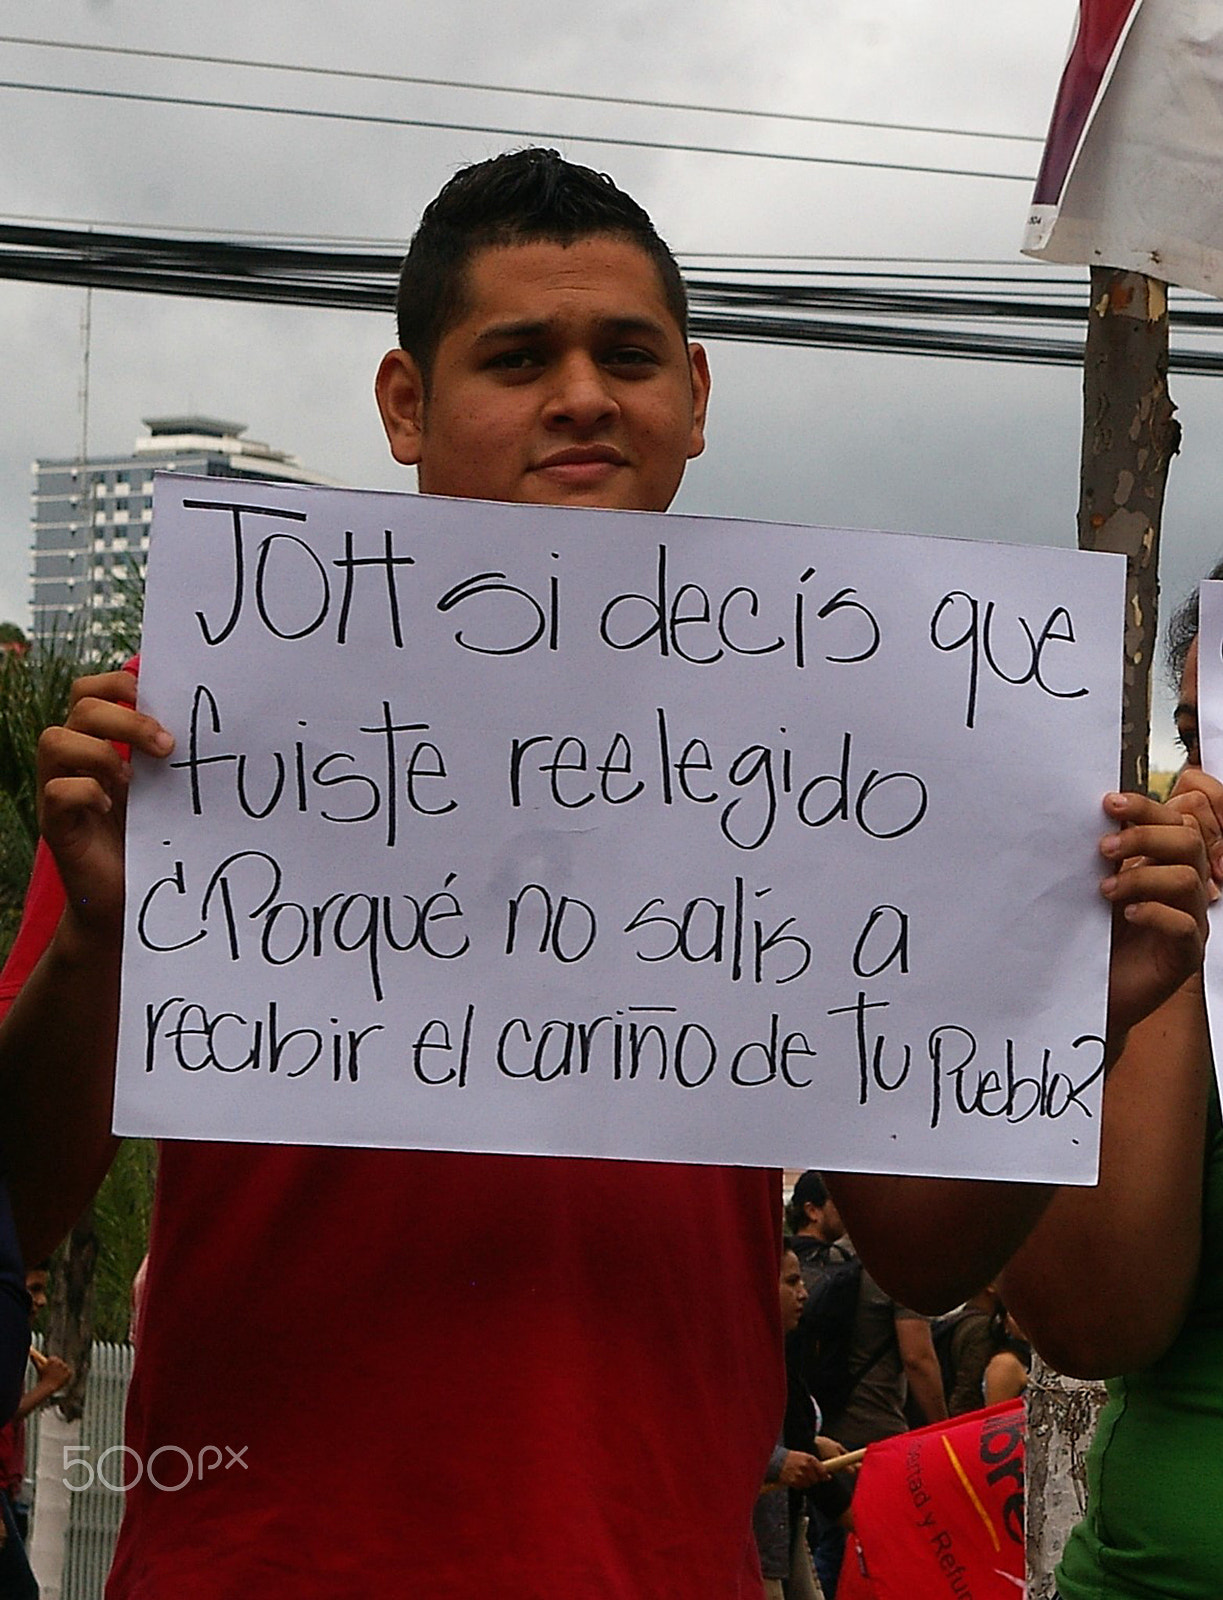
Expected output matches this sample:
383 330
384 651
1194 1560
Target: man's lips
578 462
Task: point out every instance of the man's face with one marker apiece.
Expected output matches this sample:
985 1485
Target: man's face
833 1228
36 1285
565 381
793 1292
824 1221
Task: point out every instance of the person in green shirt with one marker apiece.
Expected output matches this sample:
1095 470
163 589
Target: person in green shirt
1125 1282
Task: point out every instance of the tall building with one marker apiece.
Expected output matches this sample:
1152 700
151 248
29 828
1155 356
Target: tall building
91 519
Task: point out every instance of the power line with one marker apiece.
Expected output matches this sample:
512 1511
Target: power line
1035 278
501 88
616 140
135 229
791 259
777 255
824 316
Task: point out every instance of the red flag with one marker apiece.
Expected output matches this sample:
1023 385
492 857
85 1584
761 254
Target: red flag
1131 176
939 1512
1097 43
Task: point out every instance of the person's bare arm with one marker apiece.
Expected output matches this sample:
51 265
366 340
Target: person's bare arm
916 1345
57 1043
1071 1286
934 1242
931 1243
1006 1378
54 1374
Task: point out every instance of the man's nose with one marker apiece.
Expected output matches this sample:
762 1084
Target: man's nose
581 395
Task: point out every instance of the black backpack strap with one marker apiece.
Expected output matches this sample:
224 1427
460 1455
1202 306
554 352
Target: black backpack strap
856 1374
872 1361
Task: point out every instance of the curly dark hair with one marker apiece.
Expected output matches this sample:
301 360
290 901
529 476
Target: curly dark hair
1183 630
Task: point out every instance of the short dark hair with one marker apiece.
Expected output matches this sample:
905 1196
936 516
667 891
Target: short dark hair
810 1190
519 198
1183 630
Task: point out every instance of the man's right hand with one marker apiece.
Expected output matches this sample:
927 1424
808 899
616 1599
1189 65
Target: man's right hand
54 1375
800 1470
82 792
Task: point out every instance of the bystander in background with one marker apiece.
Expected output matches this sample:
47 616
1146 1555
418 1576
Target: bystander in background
17 1581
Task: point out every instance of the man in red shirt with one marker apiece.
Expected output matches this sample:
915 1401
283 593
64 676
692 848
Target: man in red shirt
348 1382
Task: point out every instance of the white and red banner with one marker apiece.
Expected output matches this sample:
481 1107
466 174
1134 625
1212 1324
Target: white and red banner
1134 157
939 1512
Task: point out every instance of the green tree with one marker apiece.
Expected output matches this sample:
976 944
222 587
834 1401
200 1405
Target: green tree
122 1213
94 1269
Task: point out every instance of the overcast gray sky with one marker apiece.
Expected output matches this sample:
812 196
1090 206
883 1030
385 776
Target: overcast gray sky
935 446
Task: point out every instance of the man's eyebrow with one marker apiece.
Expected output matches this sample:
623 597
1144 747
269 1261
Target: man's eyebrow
527 328
536 327
634 323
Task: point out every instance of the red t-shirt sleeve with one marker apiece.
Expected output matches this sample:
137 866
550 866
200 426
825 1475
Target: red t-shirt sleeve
44 904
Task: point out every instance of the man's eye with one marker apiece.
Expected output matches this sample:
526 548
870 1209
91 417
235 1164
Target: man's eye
632 356
514 361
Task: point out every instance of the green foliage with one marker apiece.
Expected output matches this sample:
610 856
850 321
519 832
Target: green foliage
34 691
122 1213
121 623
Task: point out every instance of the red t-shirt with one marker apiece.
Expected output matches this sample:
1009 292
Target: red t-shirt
386 1373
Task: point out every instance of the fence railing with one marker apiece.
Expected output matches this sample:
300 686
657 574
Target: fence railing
96 1506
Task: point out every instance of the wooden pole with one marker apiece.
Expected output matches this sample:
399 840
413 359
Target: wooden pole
1130 435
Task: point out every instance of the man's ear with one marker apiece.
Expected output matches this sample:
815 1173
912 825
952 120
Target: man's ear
698 365
400 393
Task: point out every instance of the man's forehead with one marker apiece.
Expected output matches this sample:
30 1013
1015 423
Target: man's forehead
523 282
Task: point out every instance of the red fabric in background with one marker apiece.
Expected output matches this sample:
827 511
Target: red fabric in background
1101 24
939 1512
44 907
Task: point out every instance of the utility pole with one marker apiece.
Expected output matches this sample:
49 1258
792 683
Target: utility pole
84 484
1130 435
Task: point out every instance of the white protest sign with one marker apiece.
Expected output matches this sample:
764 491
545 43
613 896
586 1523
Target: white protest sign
525 829
1210 736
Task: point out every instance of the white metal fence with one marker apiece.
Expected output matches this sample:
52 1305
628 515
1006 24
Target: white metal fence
95 1508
